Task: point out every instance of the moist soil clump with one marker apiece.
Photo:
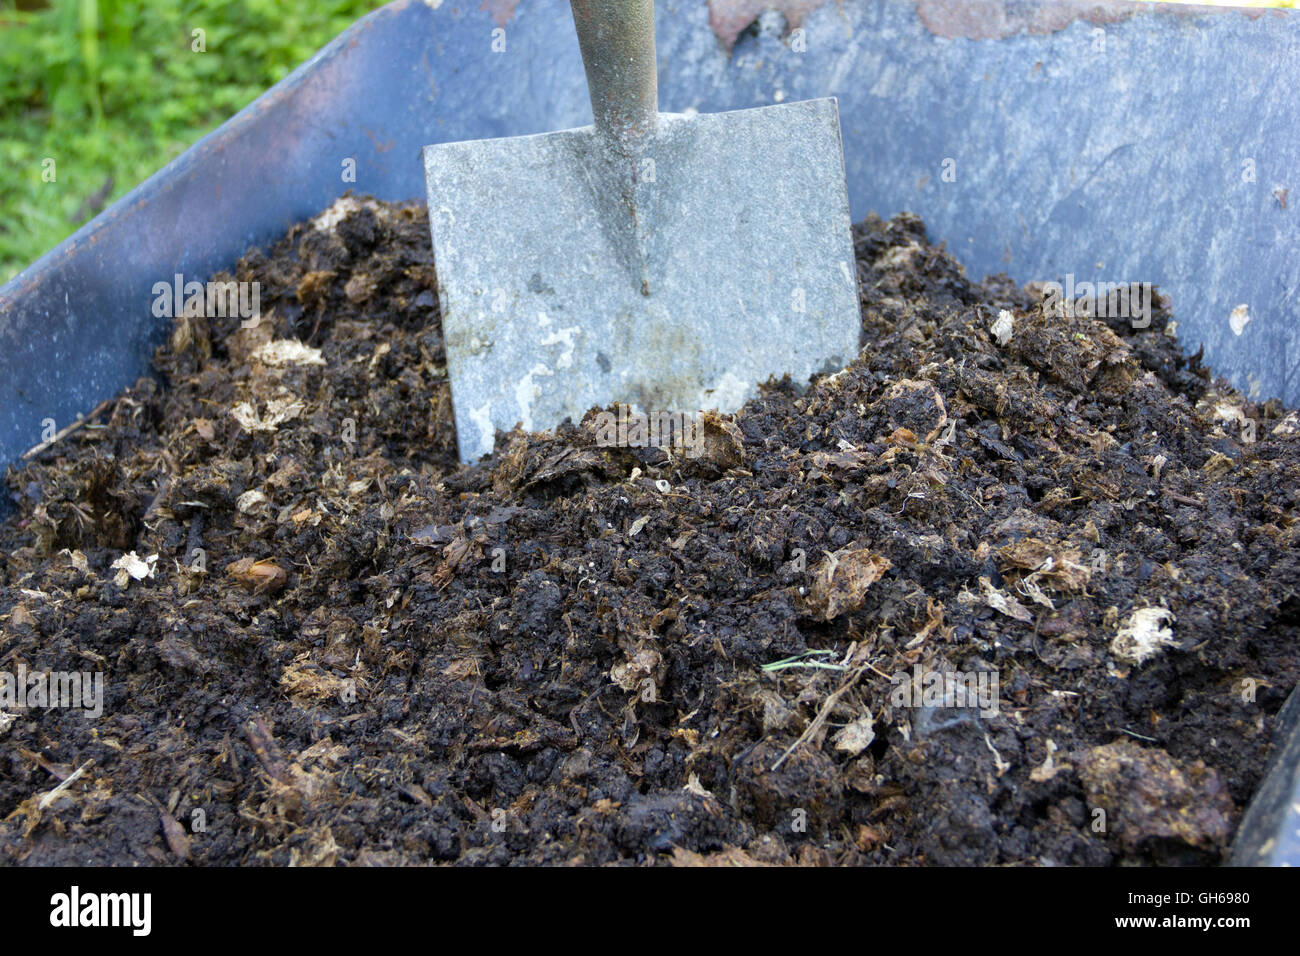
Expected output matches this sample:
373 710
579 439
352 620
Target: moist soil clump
1017 586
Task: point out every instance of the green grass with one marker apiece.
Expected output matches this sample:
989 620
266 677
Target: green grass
808 660
116 88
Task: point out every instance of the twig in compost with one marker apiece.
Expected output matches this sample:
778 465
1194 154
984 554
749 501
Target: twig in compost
573 714
71 778
65 432
1134 733
822 715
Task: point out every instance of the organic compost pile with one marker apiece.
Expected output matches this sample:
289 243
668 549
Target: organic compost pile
322 641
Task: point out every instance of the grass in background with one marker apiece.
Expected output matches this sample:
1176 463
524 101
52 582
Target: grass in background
111 90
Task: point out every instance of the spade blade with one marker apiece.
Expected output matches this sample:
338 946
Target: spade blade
673 281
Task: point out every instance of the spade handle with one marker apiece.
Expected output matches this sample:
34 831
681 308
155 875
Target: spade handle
617 38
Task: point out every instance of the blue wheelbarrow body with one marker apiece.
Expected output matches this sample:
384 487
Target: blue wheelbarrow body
1069 141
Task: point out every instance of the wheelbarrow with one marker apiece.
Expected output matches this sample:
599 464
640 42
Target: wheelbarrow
1104 142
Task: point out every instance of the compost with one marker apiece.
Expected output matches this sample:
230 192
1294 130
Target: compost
1018 586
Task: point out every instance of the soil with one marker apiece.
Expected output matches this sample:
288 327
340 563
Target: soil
339 646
